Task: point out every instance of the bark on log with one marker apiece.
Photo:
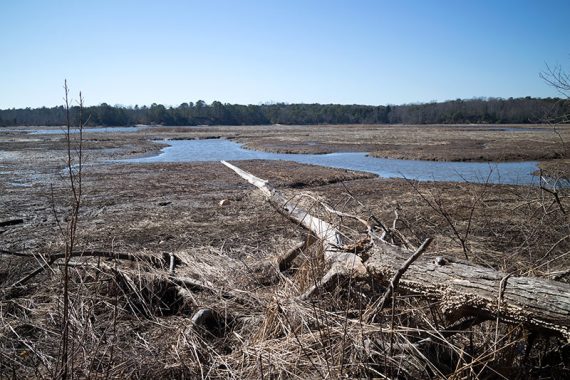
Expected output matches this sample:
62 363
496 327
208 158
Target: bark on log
462 288
341 263
465 289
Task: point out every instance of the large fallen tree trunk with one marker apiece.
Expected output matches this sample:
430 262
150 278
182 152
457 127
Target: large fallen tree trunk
342 262
462 288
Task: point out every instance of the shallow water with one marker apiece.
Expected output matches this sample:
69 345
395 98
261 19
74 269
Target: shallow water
59 131
219 149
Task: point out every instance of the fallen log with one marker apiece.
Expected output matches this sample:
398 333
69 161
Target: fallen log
463 289
342 263
51 259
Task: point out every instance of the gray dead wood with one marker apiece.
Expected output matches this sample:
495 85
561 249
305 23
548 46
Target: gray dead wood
341 263
463 289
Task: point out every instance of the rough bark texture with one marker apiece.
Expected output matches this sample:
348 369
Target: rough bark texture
465 289
462 288
341 262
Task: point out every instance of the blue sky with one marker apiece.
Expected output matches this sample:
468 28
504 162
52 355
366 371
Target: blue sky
251 52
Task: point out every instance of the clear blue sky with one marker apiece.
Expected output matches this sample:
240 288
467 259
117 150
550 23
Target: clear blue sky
249 52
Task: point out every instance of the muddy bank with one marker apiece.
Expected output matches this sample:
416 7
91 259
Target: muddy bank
32 180
438 143
131 321
164 207
426 142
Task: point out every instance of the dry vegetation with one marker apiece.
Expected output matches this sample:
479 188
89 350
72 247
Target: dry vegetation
227 310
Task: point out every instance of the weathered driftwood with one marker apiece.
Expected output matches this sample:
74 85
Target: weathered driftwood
463 289
342 263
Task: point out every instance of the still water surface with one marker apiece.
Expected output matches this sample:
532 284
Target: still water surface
219 149
62 130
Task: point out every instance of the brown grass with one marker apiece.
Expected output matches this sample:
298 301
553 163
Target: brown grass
128 319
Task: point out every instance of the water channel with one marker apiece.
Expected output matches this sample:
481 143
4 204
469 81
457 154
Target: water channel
519 173
62 130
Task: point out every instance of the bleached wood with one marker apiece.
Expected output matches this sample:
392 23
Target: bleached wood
319 227
462 288
340 261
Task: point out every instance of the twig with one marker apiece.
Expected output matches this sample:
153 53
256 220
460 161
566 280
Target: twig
552 191
172 263
379 305
372 216
439 208
502 286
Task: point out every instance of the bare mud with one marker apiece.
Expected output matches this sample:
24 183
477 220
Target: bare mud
162 209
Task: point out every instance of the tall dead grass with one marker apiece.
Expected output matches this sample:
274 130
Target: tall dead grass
128 317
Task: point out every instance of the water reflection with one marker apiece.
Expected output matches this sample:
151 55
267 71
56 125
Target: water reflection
216 150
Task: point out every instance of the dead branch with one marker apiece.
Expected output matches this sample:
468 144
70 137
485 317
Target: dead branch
464 289
11 222
51 259
341 263
286 260
378 306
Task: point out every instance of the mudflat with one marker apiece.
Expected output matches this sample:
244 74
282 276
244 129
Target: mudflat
159 209
121 197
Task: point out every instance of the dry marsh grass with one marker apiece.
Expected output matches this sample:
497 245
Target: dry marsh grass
128 319
132 318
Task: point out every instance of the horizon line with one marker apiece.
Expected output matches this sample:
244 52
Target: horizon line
270 103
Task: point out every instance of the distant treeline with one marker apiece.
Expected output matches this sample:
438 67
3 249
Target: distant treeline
483 111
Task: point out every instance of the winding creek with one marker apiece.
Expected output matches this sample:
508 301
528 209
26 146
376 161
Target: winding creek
519 173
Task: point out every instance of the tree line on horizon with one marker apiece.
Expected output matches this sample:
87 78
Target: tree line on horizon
472 111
